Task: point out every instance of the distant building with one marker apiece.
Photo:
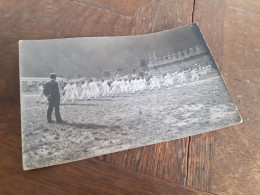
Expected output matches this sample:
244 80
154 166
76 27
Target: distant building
179 61
31 83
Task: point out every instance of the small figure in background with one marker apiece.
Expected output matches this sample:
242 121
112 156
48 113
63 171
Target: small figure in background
42 98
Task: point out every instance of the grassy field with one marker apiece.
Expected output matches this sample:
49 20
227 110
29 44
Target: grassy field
108 125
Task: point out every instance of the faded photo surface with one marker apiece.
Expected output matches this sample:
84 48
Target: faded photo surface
85 97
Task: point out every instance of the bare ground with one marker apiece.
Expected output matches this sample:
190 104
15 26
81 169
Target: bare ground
108 125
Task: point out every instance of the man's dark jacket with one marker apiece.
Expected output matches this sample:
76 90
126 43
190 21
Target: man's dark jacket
51 90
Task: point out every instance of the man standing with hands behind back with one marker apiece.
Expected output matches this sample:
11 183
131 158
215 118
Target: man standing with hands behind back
51 91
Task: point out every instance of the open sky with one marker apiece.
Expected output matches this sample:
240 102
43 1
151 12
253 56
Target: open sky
90 56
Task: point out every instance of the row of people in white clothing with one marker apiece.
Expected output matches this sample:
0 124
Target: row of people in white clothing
95 89
120 86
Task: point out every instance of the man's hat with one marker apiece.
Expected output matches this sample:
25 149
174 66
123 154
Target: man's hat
52 75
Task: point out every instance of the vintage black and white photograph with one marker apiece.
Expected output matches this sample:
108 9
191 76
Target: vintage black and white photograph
85 97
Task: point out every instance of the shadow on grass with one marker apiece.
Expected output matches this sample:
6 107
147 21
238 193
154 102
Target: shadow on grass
87 102
92 126
77 104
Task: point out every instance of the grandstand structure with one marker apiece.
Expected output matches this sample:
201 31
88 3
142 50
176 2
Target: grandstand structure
179 61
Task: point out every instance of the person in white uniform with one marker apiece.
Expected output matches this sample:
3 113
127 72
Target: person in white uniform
94 90
140 85
179 77
137 85
183 77
158 85
123 87
144 83
105 88
174 77
194 75
41 98
203 70
75 91
128 86
154 83
133 85
85 92
209 69
68 92
115 88
168 81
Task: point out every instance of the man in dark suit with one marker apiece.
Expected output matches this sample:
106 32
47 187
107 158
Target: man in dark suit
51 91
